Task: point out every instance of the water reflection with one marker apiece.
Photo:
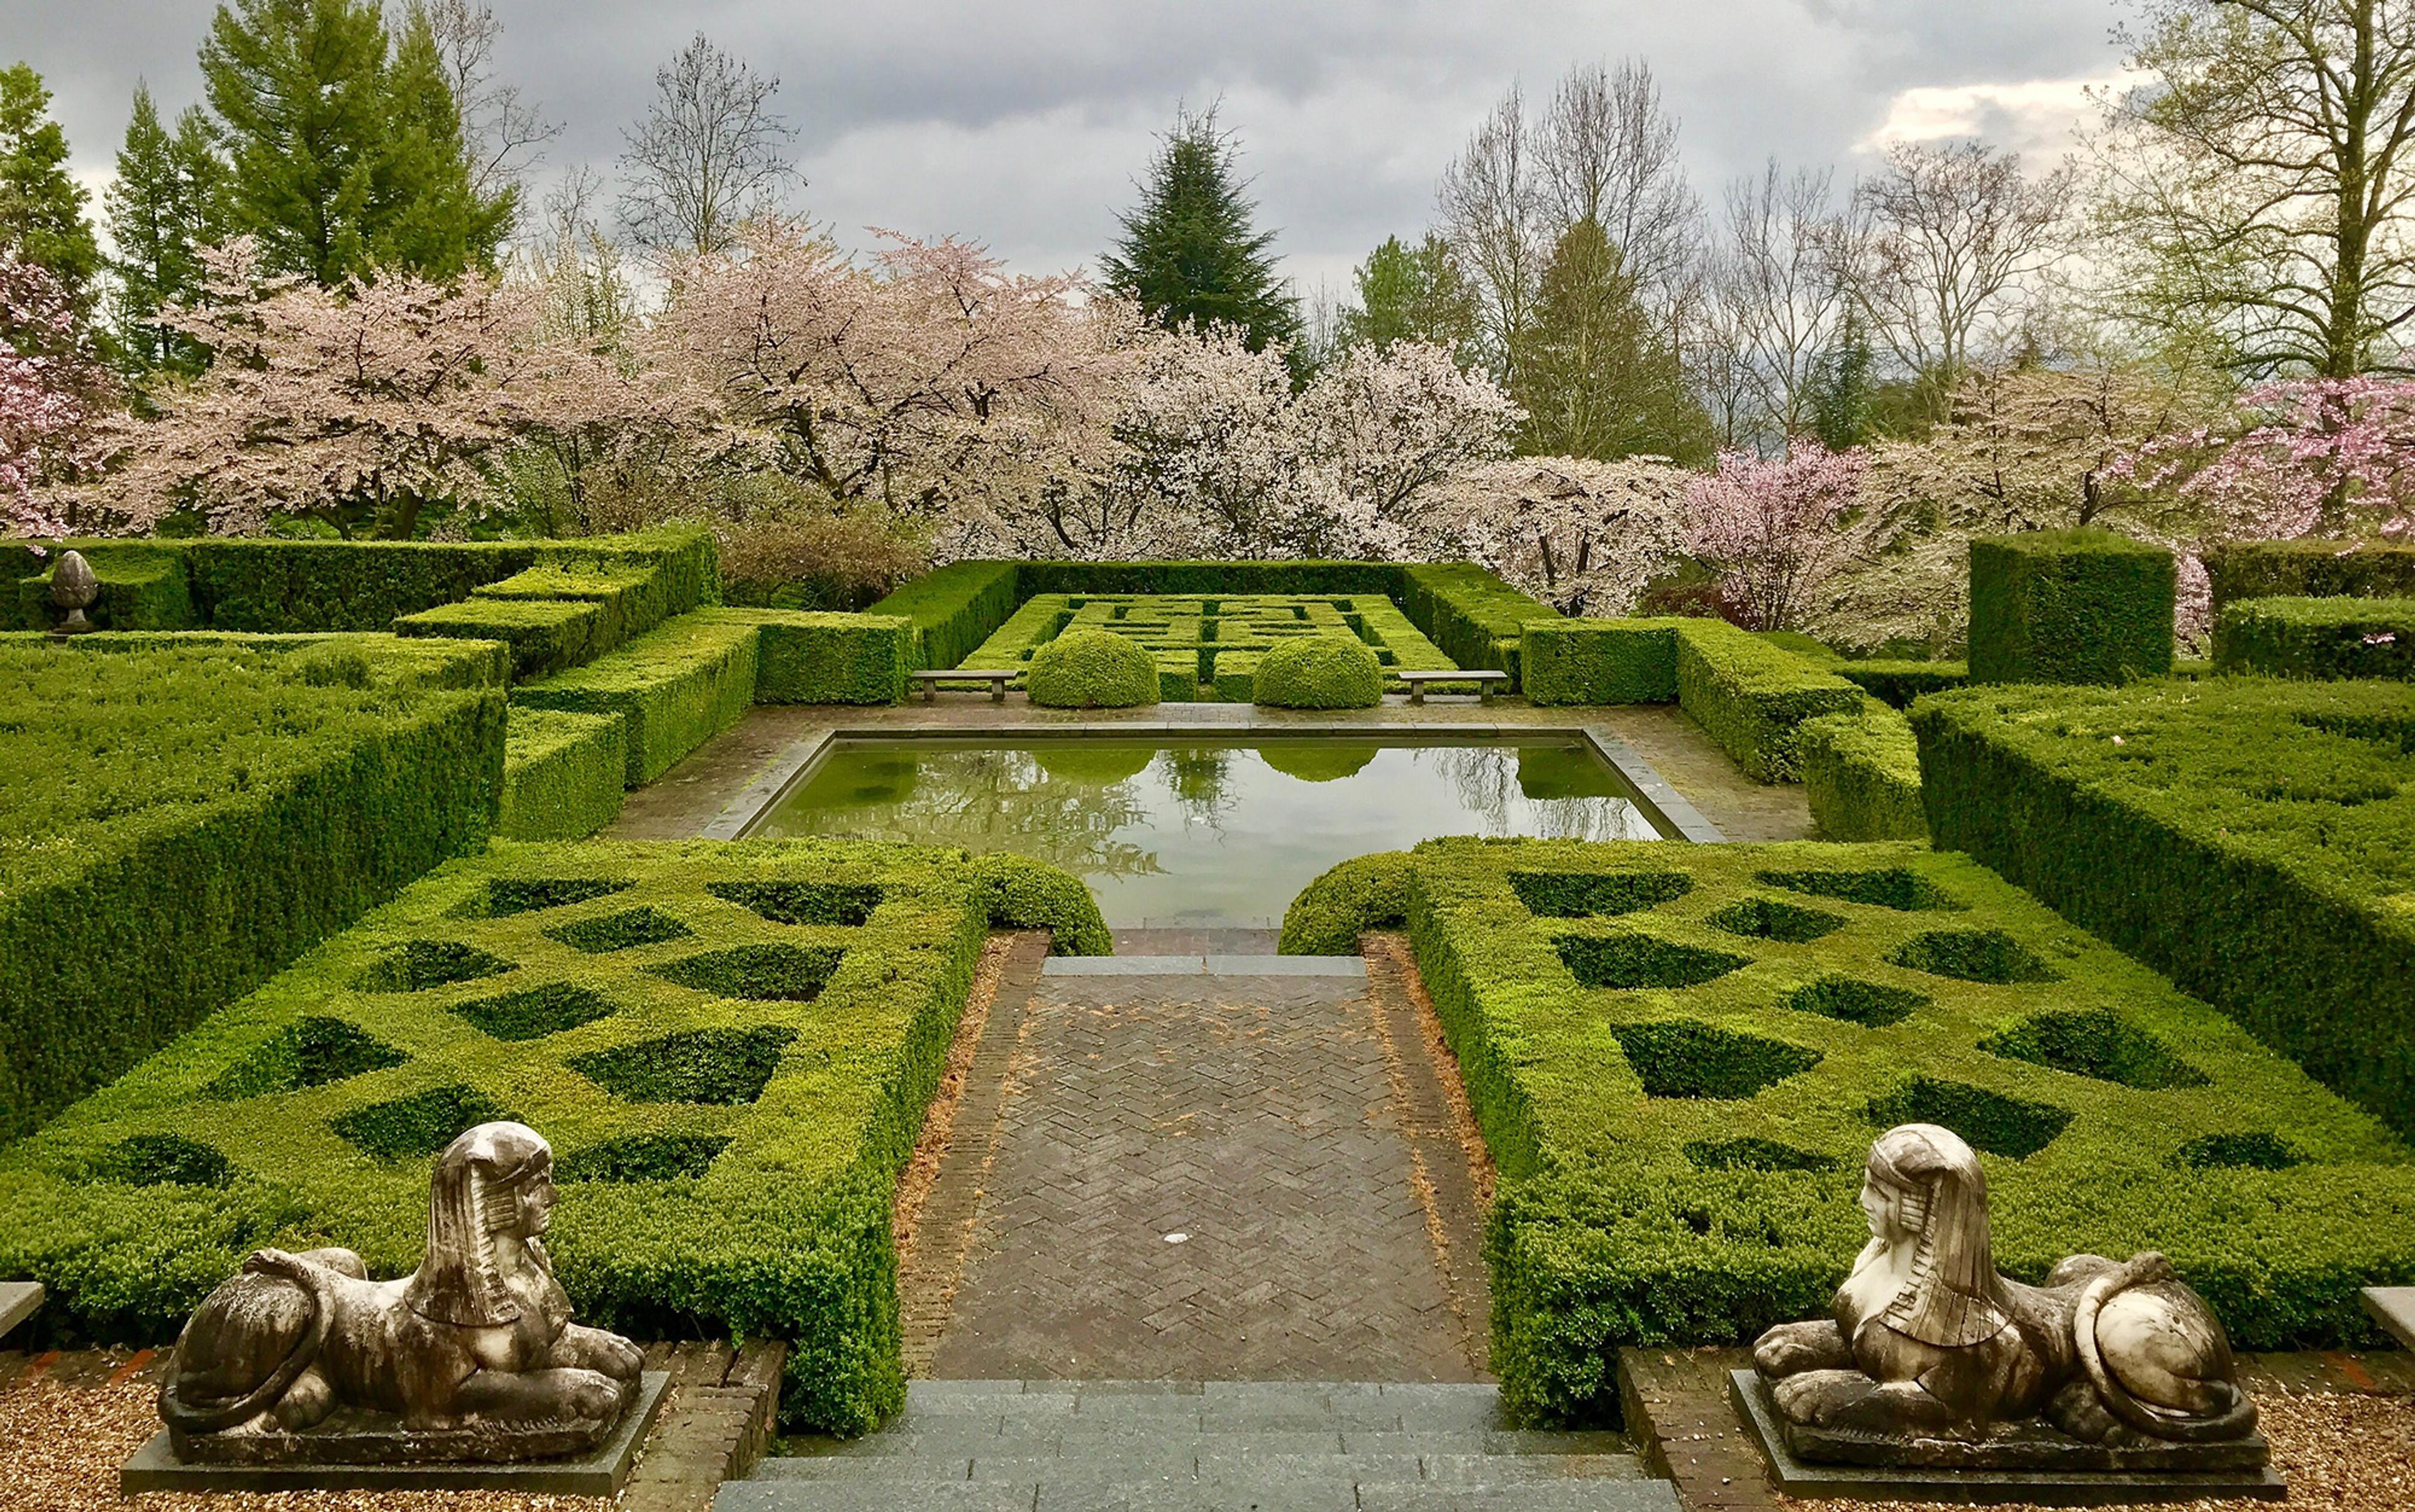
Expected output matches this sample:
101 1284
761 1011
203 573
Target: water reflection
1203 830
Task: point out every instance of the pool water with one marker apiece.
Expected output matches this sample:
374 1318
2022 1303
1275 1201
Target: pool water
1203 831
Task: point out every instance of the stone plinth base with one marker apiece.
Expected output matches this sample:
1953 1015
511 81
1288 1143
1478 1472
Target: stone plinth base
2068 1485
601 1473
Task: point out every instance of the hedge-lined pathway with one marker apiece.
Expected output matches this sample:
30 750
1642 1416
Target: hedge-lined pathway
1292 1129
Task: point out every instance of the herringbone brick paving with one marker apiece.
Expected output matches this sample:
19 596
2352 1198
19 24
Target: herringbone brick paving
1259 1118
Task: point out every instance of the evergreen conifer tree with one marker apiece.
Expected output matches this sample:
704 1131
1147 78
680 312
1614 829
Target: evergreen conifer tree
169 202
346 144
1414 294
42 207
1598 374
1842 389
1191 250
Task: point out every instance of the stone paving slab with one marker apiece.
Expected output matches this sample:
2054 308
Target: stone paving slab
1204 1176
1211 966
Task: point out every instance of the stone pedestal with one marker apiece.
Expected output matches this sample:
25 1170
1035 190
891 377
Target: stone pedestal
601 1473
2024 1462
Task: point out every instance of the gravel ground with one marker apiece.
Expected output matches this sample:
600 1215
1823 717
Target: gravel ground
2338 1453
61 1447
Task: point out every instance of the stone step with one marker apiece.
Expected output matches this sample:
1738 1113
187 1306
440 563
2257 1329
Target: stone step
1176 1446
1298 1496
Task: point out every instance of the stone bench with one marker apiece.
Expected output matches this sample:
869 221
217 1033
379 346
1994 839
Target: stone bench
1485 683
2393 1308
997 676
18 1300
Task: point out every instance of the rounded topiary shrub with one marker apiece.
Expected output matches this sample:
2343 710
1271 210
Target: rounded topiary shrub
1092 670
1320 672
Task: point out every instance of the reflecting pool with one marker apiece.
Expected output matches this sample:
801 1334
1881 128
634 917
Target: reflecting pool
1200 831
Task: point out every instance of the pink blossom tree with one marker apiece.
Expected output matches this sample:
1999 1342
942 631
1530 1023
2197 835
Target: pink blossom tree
1777 530
2310 456
50 397
359 406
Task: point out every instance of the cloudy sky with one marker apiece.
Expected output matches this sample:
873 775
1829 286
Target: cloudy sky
1022 123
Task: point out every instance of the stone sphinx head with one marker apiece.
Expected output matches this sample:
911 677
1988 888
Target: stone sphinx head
488 1206
1923 1188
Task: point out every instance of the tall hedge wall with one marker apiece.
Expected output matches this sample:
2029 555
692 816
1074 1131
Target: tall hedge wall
1861 776
1679 1056
2310 569
811 656
1750 696
2248 837
187 817
2070 606
672 689
2316 638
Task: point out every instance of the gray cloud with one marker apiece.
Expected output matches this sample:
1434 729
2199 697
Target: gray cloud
1023 124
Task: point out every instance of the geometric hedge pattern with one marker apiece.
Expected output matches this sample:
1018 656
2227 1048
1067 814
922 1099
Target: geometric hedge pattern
1207 648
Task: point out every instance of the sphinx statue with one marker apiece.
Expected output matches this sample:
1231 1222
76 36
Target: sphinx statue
472 1358
1932 1357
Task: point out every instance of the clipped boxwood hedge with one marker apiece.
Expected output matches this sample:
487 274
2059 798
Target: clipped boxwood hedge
2310 569
953 609
2249 837
1601 660
672 689
812 656
1895 683
2316 638
142 588
545 635
1679 1056
729 1047
1861 774
2070 606
185 815
1478 621
565 774
1092 670
1325 672
1750 696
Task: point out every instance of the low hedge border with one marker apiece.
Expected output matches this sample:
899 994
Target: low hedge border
2310 569
1679 1162
1897 683
142 588
2245 835
565 774
1750 696
673 689
2084 605
192 813
1861 776
2316 638
545 635
1470 614
249 584
806 656
732 1048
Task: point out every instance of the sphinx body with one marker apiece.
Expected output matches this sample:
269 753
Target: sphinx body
478 1338
1927 1340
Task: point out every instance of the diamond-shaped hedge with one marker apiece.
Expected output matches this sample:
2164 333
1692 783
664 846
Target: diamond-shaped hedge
1632 961
1681 1058
536 1012
1866 1003
694 1066
1764 918
506 896
622 931
766 973
802 903
417 1126
310 1051
1990 1121
2096 1043
1987 955
416 966
1577 894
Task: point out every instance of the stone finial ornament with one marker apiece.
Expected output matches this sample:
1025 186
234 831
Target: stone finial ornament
1931 1357
74 588
302 1358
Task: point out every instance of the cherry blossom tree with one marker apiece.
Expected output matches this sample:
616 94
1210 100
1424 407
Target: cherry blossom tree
1776 529
1384 428
51 395
1584 536
918 380
2311 456
359 406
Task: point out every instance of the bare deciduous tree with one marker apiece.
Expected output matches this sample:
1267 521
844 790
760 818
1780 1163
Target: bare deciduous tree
1608 150
504 136
1491 208
709 153
2259 186
1778 296
1948 236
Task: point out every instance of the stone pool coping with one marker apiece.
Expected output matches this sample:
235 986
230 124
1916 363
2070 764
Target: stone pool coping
1667 808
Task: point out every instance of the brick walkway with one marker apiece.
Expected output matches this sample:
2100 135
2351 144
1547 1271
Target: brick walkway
1291 1129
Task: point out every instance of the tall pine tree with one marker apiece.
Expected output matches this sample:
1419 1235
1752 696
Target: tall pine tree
42 207
169 202
1597 373
1191 250
344 161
